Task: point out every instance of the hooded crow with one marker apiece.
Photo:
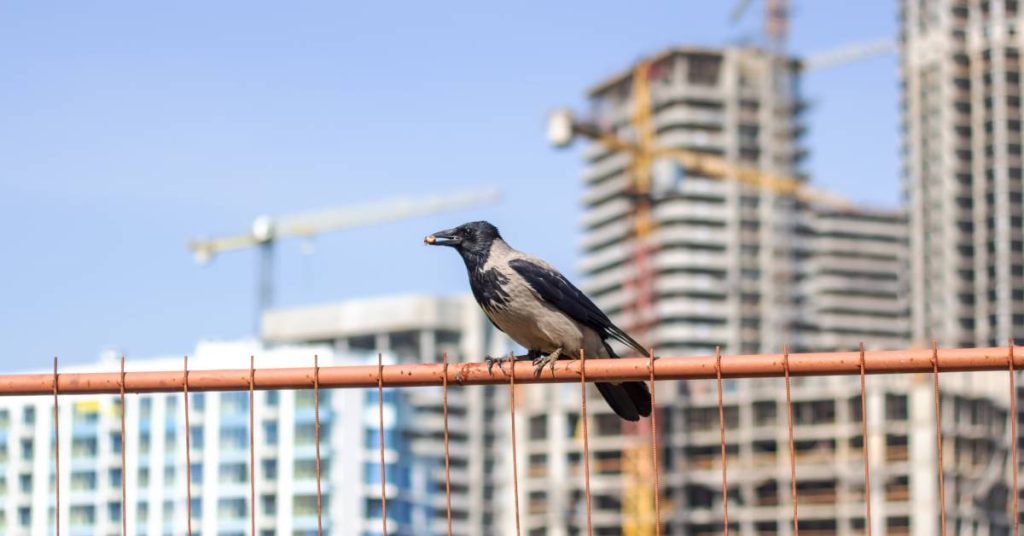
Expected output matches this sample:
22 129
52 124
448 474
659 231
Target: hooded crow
540 309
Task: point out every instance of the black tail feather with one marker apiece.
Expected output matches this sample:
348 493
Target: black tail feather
629 400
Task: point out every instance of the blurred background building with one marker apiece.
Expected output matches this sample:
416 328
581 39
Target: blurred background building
749 271
90 450
962 169
417 329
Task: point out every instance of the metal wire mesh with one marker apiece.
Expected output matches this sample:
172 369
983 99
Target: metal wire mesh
651 369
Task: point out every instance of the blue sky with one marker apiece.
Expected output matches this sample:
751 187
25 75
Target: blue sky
128 127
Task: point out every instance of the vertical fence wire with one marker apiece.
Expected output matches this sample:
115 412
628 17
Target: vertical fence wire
864 441
792 448
654 446
380 417
586 438
252 444
447 458
56 450
316 431
188 453
1013 444
721 433
938 437
515 455
124 460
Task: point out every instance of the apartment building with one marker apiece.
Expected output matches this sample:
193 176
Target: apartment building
962 169
154 449
419 329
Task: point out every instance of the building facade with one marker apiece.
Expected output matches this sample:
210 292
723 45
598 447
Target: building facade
852 280
746 271
962 169
723 253
285 473
419 329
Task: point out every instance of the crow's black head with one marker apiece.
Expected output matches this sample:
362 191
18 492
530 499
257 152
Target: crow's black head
472 240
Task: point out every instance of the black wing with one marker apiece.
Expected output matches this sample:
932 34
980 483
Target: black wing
555 289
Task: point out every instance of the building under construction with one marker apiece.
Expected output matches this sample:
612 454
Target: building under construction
749 269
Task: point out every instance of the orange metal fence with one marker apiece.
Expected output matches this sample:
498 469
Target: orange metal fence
651 368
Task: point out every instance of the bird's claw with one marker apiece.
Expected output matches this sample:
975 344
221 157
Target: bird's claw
546 361
459 378
491 362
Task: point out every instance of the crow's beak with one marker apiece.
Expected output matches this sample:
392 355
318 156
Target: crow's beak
442 238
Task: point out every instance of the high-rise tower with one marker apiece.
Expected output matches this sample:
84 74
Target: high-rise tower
962 169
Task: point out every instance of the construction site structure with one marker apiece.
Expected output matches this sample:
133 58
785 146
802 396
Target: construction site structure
735 251
962 168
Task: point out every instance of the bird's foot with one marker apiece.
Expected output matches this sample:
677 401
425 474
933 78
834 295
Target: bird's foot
501 361
459 378
546 361
491 361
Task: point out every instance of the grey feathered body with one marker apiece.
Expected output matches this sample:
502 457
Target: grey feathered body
529 320
540 309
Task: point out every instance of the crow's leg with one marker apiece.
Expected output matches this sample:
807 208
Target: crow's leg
544 361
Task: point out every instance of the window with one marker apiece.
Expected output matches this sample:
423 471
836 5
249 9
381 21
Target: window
305 434
234 402
896 407
83 481
304 399
268 504
233 473
82 515
26 449
269 469
539 427
198 402
231 508
236 438
114 511
306 469
28 415
270 432
25 482
304 505
196 438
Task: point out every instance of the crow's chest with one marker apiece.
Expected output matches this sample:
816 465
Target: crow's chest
517 310
490 289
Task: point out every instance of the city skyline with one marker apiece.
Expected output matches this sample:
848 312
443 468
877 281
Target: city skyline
140 129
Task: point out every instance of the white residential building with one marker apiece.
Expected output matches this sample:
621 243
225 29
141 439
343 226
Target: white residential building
90 454
419 329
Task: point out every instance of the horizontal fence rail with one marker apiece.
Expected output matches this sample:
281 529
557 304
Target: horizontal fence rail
510 373
598 370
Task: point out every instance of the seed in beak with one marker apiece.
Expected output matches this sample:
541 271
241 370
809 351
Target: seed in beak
429 240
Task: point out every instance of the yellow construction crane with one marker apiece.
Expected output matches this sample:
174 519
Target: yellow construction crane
266 230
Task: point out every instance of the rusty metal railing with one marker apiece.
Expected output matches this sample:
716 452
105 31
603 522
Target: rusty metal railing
445 375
